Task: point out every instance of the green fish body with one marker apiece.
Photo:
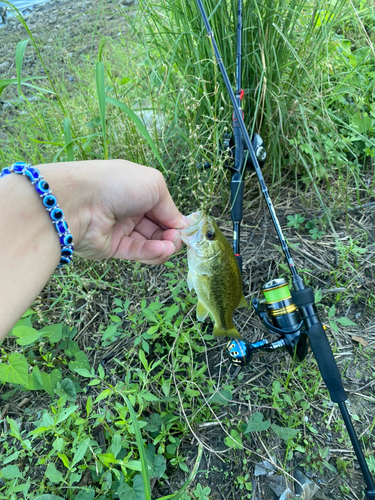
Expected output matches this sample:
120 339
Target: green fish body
213 273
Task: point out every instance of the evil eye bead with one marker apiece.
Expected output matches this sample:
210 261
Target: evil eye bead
56 214
19 167
64 261
32 174
67 253
49 201
239 352
61 227
42 187
5 171
66 240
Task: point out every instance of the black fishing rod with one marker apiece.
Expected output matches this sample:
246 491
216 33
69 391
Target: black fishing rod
237 183
290 315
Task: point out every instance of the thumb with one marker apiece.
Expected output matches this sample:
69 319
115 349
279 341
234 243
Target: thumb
165 211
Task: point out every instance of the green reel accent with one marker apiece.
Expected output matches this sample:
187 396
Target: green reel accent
276 290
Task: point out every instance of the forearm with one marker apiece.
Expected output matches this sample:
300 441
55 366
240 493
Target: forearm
30 248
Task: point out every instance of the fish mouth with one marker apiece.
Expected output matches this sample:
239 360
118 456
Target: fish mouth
195 220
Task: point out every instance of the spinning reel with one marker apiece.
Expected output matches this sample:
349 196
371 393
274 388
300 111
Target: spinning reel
280 316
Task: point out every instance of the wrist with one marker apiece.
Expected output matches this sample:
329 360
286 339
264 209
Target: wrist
71 186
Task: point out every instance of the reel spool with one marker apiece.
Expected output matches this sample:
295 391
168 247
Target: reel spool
280 307
280 316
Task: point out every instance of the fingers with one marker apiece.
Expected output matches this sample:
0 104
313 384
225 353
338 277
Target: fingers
146 251
151 231
173 236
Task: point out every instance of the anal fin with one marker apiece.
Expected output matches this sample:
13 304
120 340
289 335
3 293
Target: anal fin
201 311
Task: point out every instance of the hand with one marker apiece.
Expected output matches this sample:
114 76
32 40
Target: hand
113 208
128 211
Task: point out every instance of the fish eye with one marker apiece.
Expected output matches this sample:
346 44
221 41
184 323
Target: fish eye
210 235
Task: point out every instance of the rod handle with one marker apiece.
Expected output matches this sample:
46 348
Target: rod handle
326 362
304 300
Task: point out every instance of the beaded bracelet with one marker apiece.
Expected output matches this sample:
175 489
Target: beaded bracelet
50 204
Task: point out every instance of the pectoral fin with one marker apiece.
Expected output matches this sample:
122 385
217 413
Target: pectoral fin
190 281
243 302
232 332
201 311
205 287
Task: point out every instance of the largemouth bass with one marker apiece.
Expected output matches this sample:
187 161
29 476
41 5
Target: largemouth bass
213 273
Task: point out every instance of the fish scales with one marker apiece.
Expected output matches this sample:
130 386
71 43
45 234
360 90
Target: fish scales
213 273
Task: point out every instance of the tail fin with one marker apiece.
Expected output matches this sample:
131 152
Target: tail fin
232 332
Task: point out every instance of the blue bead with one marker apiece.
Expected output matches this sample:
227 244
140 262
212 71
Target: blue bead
32 173
61 227
56 214
63 261
67 252
19 167
66 239
5 171
42 187
49 201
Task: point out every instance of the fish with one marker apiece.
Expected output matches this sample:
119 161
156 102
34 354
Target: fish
213 273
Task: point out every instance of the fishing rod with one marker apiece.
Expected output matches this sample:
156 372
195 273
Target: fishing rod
292 315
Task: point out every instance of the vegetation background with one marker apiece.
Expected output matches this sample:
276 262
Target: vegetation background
110 387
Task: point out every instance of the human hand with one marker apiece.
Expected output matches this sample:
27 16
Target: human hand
113 208
117 209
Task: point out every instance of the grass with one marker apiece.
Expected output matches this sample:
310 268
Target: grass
126 394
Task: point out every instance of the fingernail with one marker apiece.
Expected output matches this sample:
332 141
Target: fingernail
167 251
176 239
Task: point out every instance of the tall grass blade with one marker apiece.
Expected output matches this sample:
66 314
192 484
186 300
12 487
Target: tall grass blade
10 81
86 139
20 52
141 449
284 50
20 18
68 140
138 122
100 92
